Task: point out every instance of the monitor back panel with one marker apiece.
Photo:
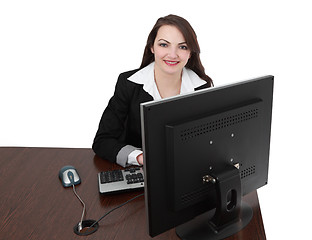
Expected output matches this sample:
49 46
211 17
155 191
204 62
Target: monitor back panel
224 125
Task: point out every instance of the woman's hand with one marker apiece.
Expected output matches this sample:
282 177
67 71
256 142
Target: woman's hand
140 159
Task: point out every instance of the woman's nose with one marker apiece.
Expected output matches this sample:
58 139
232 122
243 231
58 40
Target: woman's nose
172 53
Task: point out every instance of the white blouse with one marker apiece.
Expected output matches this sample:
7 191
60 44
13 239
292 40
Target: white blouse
145 76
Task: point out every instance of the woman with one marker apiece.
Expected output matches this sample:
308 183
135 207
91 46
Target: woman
170 66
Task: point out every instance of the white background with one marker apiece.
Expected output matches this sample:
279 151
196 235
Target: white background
59 62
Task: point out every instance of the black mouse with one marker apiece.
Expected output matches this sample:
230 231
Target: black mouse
69 176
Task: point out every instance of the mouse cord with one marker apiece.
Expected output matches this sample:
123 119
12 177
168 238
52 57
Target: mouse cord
84 207
116 208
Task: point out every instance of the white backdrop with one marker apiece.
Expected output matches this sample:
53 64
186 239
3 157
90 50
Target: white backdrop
59 62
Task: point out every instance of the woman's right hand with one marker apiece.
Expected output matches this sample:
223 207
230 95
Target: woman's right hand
140 159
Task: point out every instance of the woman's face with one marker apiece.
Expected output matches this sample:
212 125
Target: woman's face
170 50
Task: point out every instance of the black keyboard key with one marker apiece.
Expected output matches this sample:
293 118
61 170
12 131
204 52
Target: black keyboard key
130 181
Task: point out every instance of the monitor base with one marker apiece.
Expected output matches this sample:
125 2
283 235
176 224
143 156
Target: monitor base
200 228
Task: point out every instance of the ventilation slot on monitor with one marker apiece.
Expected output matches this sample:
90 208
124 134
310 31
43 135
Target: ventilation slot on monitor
197 195
248 172
221 123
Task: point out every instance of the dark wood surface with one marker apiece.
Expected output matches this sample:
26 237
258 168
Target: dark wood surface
35 205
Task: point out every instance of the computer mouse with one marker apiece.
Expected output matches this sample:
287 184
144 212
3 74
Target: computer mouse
69 176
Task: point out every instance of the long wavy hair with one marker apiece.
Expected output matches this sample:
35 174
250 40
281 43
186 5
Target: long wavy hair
194 63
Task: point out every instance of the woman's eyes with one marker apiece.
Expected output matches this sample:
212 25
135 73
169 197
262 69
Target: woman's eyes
183 47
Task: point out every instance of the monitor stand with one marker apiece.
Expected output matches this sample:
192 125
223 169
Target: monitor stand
231 214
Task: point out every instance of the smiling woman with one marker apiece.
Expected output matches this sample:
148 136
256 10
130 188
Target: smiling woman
171 55
170 66
190 39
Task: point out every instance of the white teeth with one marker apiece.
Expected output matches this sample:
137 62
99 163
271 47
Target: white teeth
171 62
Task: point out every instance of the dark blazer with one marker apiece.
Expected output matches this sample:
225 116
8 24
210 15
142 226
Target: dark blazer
120 124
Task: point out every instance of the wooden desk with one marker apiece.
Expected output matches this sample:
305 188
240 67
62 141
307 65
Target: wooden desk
35 205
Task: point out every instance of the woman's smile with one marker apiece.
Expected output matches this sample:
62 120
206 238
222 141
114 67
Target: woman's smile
171 63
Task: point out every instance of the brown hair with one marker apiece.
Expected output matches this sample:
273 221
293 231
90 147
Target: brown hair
188 33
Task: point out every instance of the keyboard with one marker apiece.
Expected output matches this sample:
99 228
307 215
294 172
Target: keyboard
121 180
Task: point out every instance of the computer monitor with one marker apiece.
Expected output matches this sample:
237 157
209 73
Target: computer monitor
203 151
